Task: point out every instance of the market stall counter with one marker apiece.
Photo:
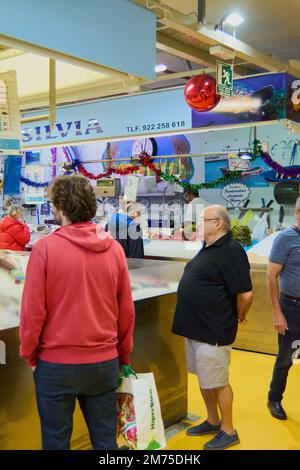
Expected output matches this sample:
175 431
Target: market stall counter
154 285
258 334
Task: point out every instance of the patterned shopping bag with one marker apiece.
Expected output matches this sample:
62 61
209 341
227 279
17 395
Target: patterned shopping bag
139 416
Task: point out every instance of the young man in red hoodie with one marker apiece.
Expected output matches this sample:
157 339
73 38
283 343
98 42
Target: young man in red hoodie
77 319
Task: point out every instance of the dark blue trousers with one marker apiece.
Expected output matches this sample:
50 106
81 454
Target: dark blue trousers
93 385
287 347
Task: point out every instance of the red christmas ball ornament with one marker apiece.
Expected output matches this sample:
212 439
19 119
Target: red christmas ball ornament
200 93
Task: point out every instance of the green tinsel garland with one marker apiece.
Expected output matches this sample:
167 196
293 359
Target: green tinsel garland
232 175
145 161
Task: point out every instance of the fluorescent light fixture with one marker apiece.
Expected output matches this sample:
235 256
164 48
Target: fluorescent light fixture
160 68
233 19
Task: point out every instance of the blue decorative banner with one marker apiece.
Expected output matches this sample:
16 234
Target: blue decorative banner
12 174
255 99
293 98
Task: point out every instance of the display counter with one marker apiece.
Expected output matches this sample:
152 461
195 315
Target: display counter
154 285
258 334
180 250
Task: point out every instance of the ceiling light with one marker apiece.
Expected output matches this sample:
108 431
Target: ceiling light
160 68
233 19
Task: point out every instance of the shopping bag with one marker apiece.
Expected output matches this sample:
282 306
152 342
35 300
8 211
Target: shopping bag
139 416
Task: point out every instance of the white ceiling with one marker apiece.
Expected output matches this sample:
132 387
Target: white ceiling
33 74
271 26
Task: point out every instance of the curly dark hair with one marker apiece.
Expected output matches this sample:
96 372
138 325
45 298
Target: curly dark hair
74 196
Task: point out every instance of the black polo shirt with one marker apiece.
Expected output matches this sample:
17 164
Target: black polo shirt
206 299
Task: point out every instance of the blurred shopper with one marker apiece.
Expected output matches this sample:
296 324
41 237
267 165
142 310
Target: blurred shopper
193 209
14 234
126 231
284 265
195 205
214 293
77 319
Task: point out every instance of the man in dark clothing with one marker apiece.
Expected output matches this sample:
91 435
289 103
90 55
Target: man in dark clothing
284 265
127 232
214 293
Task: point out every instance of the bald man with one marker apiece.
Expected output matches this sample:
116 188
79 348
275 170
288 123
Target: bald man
214 294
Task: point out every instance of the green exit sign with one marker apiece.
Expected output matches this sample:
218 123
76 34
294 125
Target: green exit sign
224 79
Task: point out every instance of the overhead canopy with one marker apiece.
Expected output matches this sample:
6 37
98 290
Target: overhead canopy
257 100
118 35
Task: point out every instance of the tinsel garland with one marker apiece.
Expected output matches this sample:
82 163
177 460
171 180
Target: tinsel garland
54 159
145 160
32 183
76 164
286 172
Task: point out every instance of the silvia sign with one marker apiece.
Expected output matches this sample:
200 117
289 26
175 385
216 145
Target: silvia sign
61 131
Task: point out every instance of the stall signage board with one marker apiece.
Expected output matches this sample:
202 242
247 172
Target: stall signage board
10 124
256 99
224 79
149 113
34 195
235 194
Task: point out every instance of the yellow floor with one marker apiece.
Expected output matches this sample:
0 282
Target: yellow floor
250 377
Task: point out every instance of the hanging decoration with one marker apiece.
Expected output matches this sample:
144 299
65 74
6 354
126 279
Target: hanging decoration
76 164
66 154
284 172
54 159
33 184
201 94
145 160
281 172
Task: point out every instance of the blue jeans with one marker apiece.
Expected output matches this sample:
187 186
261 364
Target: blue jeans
93 385
287 346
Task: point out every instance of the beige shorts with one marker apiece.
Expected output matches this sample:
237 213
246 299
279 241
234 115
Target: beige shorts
209 363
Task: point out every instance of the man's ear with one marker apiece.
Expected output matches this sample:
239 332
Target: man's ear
220 223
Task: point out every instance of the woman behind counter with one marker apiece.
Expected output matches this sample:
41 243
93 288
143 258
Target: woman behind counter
14 234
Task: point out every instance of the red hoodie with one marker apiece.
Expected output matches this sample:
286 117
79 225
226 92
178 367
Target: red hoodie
77 306
14 235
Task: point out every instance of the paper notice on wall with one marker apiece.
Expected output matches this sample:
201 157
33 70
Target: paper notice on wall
34 195
131 188
10 124
236 163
